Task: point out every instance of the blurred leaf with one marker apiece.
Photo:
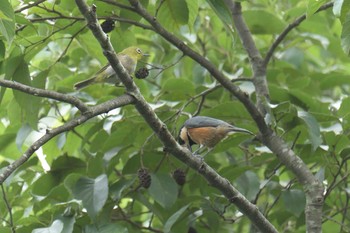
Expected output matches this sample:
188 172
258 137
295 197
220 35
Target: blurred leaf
248 184
22 135
320 175
7 21
340 9
44 185
193 12
163 189
313 128
68 224
221 10
313 6
345 35
29 104
294 56
337 6
65 165
2 50
118 187
173 218
105 228
294 201
270 24
173 14
5 141
93 193
56 227
177 89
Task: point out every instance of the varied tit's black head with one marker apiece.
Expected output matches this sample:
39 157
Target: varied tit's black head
184 139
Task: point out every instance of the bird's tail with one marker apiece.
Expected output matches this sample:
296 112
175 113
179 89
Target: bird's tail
84 83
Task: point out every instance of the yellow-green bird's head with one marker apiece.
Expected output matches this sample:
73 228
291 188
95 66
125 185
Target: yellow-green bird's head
134 52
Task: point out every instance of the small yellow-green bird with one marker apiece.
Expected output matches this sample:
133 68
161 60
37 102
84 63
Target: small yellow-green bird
128 58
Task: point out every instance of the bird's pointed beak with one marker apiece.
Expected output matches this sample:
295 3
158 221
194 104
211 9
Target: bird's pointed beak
146 55
241 130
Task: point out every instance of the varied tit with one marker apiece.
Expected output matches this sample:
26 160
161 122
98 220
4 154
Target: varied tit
128 58
206 132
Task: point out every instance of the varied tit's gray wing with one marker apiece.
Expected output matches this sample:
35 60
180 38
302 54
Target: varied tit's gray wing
202 121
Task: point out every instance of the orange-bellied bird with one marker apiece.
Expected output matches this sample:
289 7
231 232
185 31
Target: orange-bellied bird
206 132
128 58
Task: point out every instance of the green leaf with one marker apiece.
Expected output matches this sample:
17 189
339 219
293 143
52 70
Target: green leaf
248 184
30 104
7 21
263 22
177 89
173 218
65 165
341 9
93 193
105 228
2 50
118 187
44 185
221 10
193 12
68 224
163 189
294 201
345 35
173 14
313 6
22 135
313 128
344 107
56 227
5 141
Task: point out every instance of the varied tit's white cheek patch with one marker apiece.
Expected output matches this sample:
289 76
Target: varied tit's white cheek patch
183 135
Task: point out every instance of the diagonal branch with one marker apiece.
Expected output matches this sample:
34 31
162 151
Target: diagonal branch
29 6
285 32
9 209
164 135
312 186
45 93
90 113
259 70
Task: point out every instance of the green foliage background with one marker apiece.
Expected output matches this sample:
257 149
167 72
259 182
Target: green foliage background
92 183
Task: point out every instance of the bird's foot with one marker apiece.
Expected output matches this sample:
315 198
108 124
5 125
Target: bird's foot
198 156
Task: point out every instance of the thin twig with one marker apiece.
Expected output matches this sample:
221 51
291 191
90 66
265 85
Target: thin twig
285 32
90 113
9 209
45 93
29 6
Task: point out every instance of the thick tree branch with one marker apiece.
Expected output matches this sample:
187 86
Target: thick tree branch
86 115
312 187
259 70
164 135
45 93
285 32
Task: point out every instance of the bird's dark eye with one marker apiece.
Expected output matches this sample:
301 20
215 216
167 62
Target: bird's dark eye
138 51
